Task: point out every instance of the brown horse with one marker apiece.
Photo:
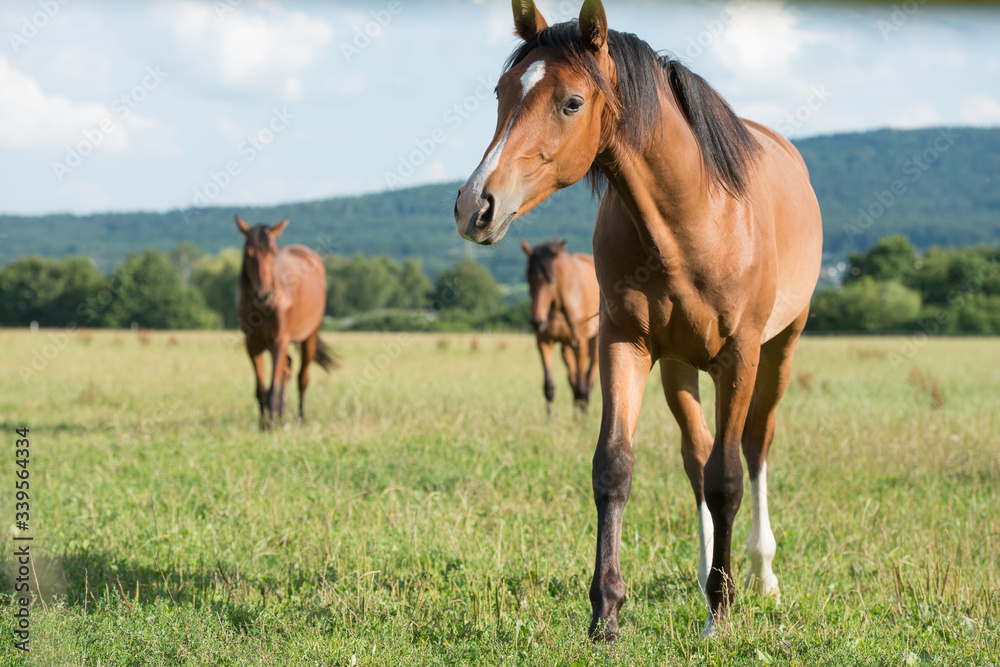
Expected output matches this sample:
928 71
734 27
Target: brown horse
565 301
707 248
282 298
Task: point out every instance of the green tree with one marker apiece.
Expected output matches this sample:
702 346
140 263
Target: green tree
892 258
980 313
151 294
865 305
357 285
412 287
945 273
217 278
467 287
49 291
185 258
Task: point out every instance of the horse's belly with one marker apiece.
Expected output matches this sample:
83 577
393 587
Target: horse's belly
799 240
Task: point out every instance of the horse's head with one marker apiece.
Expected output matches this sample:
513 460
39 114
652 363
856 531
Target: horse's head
259 252
542 276
552 101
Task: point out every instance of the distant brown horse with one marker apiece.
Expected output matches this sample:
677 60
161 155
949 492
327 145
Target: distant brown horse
565 301
282 298
707 248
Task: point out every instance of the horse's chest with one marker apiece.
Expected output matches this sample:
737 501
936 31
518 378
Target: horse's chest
674 317
559 328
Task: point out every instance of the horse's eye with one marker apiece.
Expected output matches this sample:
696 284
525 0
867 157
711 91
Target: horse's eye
573 105
496 93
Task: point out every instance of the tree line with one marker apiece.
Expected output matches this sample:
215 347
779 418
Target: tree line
189 289
891 287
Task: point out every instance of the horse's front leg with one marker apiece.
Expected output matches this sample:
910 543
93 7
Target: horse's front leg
548 387
625 364
734 371
257 359
279 377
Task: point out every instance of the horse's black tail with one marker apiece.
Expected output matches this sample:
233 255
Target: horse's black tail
325 356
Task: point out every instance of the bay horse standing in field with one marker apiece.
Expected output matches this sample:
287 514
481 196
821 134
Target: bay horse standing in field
707 248
281 301
565 301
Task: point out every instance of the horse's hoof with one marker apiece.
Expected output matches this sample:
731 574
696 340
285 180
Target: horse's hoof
603 630
766 587
709 630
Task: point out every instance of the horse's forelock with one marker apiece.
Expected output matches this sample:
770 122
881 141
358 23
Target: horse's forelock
728 149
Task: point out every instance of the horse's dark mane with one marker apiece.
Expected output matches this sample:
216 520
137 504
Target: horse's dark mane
540 262
727 147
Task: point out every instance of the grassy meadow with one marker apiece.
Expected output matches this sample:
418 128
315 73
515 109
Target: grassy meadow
427 512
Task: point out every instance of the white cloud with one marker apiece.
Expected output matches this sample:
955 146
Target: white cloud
917 115
762 38
264 51
31 118
980 109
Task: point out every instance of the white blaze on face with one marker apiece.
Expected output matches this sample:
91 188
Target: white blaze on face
530 78
761 545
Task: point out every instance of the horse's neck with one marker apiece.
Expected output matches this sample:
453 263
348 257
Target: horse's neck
568 284
665 186
245 286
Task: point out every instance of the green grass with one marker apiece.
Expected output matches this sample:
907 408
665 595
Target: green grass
427 513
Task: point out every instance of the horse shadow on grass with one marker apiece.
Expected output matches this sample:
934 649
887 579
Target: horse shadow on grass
94 581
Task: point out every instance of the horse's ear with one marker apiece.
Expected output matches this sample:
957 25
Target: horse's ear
560 247
594 25
278 228
528 21
244 227
527 247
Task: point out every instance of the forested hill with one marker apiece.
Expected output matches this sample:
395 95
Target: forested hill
939 187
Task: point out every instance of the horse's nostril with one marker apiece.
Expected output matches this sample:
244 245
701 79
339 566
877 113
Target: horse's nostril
487 217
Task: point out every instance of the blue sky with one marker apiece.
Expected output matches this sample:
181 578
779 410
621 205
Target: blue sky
161 105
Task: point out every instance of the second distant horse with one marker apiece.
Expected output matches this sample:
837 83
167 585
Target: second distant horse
565 301
281 301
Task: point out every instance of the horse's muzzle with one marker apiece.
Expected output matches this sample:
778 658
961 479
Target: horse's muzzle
478 219
265 300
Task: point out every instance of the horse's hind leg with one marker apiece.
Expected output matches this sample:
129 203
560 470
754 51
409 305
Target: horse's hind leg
308 354
680 386
572 358
592 370
773 374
